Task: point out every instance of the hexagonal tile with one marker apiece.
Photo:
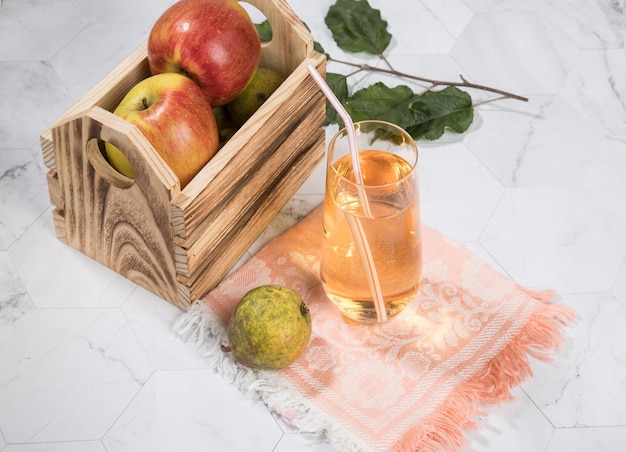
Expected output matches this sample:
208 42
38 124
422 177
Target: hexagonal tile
619 288
514 426
588 439
596 87
589 24
14 299
35 151
426 27
93 367
539 141
26 194
95 52
606 176
152 318
498 33
58 276
317 9
457 193
195 410
542 236
111 11
32 96
584 386
503 5
33 30
78 342
74 446
480 252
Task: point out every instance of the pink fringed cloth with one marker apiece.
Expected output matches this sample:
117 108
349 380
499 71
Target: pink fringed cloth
414 383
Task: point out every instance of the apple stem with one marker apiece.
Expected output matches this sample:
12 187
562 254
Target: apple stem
144 101
225 348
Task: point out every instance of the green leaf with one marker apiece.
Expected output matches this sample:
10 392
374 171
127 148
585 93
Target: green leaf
264 29
339 85
357 27
435 111
318 48
423 116
378 101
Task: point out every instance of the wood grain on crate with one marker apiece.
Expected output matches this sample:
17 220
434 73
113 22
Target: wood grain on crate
225 255
291 103
283 152
126 227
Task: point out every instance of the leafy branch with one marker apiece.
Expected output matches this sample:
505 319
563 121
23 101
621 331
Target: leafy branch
359 28
433 83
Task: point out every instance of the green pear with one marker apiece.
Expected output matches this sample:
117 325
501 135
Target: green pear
225 125
270 328
264 82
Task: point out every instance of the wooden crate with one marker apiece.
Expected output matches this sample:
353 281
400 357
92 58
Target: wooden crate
180 243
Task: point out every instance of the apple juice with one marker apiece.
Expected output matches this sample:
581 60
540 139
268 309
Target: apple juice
392 230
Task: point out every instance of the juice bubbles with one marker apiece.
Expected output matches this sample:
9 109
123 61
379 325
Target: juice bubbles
391 227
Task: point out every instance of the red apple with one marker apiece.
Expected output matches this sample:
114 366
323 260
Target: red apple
214 42
174 115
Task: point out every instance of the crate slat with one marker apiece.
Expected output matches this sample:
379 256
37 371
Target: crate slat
58 219
54 190
249 147
275 197
292 43
223 218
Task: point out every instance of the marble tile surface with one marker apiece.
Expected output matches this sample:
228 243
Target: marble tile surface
24 188
172 405
536 64
597 88
88 360
585 387
67 374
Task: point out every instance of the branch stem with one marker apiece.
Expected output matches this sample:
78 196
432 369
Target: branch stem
434 83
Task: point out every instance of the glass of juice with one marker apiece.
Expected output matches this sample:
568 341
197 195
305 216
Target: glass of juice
390 222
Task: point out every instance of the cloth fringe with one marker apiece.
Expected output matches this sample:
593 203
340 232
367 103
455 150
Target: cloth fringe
441 431
200 326
542 335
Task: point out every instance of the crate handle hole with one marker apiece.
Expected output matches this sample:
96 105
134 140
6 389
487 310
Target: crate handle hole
99 162
263 25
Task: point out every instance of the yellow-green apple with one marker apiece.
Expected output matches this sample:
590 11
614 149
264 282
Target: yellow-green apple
214 42
175 116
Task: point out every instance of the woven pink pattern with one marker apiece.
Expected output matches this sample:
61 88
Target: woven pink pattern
415 382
